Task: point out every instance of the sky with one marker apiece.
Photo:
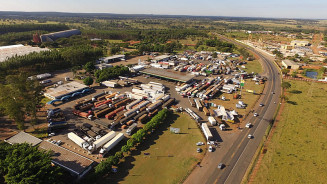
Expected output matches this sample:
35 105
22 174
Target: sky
237 8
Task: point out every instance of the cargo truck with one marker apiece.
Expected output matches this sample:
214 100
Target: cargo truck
154 105
168 103
206 131
111 144
130 129
103 140
77 140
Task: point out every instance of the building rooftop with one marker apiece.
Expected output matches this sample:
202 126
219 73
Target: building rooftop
9 51
113 57
168 74
289 62
23 137
65 89
161 57
67 159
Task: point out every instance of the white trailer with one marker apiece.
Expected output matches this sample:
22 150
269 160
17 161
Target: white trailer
130 112
77 140
206 131
154 105
129 106
100 142
109 84
111 144
131 128
212 120
165 98
142 104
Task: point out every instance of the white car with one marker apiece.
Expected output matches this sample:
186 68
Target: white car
250 136
255 114
248 125
210 149
200 143
261 105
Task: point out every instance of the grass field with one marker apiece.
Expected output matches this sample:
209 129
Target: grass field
253 66
171 156
297 151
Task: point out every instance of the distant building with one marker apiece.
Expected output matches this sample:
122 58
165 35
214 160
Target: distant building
162 58
287 47
101 66
289 64
9 51
61 34
299 43
63 90
112 59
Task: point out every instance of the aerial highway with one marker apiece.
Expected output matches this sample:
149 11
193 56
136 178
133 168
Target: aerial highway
239 155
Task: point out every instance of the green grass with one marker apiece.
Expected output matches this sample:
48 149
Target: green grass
171 158
253 66
297 151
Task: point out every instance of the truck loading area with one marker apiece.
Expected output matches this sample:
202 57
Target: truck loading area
168 74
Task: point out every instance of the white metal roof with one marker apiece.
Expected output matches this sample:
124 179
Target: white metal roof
19 50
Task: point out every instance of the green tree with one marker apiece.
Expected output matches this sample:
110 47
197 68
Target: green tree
24 163
286 85
285 71
88 81
214 55
325 60
89 67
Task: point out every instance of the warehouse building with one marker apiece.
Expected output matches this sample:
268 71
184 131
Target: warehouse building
289 64
168 74
112 59
64 90
61 34
299 43
76 164
23 137
9 51
162 58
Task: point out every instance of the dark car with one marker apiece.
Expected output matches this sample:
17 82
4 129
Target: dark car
220 166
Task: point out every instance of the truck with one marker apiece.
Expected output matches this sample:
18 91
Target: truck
57 124
83 114
100 142
222 127
168 103
198 105
97 104
165 98
206 111
130 129
143 118
130 112
111 144
206 131
212 120
129 106
154 105
101 113
77 140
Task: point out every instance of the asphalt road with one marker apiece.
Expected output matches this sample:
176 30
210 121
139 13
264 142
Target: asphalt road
240 154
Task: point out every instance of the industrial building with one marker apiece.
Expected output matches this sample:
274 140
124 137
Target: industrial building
61 34
63 90
300 43
112 59
76 164
162 58
289 64
167 74
23 137
9 51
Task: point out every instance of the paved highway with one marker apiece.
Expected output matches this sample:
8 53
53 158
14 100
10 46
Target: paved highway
240 154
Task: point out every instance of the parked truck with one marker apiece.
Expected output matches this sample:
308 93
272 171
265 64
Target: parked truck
77 140
168 103
212 120
206 131
130 129
100 142
87 115
154 105
111 144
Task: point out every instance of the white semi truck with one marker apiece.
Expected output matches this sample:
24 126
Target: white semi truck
79 141
111 144
100 142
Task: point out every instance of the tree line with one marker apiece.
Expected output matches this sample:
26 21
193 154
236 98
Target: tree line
23 163
50 60
111 73
31 27
105 166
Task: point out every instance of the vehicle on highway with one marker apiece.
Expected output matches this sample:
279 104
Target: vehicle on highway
272 92
255 114
248 125
220 166
261 105
200 143
250 136
199 150
210 149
